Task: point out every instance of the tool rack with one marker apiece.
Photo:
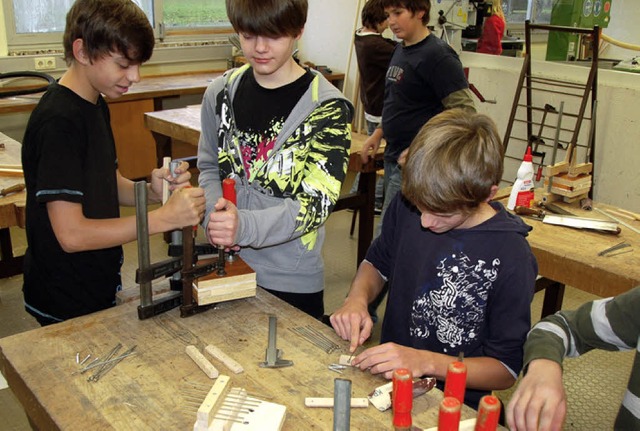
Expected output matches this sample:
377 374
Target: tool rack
535 114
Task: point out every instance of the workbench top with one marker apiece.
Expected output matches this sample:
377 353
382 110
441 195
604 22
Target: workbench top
11 206
570 256
151 87
149 391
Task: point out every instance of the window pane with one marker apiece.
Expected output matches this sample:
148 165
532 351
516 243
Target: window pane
40 16
45 16
194 13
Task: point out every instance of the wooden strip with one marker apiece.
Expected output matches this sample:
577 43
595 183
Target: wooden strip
218 354
208 408
202 362
328 402
346 359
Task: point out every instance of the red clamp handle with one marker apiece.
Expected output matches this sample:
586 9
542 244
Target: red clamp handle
229 190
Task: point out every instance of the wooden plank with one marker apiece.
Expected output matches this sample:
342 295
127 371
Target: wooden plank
227 360
202 362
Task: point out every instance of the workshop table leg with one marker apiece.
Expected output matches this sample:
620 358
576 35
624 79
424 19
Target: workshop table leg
10 265
553 295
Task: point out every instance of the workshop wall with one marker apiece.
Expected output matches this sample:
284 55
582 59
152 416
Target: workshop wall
616 174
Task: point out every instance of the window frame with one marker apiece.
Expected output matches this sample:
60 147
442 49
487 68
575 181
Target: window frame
52 41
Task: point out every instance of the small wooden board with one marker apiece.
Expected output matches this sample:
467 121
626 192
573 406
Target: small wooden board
239 282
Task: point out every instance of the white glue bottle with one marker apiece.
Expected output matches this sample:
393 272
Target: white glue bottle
522 190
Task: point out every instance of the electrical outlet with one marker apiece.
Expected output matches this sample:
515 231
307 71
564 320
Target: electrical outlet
45 63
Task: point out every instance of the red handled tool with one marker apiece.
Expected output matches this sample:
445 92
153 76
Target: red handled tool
488 414
402 399
456 380
229 193
449 414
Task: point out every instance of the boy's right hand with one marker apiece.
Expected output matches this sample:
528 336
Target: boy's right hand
352 322
185 207
371 145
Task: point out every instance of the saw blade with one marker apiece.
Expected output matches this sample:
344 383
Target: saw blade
581 222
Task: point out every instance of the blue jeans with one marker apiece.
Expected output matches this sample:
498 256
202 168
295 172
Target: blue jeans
392 185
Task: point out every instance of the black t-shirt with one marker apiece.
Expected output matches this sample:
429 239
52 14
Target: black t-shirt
69 154
260 114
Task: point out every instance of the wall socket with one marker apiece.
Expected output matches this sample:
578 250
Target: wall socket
45 63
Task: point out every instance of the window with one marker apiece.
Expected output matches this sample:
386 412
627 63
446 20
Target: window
31 23
516 12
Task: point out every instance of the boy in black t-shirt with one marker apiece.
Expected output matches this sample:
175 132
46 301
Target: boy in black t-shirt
74 189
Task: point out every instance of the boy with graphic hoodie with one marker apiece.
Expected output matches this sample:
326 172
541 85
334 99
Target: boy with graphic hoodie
283 134
461 274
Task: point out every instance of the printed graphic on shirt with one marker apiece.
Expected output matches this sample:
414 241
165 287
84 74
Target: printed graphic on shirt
395 73
307 167
453 309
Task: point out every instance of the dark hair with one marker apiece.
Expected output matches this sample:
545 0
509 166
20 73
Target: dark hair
107 26
270 18
411 5
453 162
373 14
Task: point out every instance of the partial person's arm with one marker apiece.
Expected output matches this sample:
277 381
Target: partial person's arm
371 145
460 99
76 233
483 373
540 402
609 324
352 321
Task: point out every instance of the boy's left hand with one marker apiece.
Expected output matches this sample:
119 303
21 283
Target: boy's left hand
160 175
385 358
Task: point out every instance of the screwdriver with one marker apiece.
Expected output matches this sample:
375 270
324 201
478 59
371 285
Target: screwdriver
229 193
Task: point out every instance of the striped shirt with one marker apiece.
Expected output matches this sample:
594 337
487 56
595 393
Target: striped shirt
608 324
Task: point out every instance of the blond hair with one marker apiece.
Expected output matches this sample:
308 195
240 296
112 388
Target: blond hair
497 9
453 162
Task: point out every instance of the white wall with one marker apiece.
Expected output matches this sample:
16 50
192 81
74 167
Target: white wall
623 27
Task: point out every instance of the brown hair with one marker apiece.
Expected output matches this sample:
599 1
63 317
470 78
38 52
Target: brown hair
411 5
453 162
270 18
107 26
373 14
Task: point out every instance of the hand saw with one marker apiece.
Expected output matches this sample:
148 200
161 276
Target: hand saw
570 221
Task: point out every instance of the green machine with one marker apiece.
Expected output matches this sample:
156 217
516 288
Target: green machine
563 46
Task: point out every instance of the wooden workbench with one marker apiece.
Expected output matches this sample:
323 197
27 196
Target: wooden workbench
183 124
568 256
135 146
149 391
12 208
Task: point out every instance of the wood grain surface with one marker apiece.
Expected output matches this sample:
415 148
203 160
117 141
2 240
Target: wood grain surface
150 390
11 206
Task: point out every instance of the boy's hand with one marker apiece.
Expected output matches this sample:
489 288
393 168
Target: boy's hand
222 227
539 402
385 358
352 322
184 208
371 145
182 178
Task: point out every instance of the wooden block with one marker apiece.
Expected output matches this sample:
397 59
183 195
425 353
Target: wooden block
224 358
202 362
239 282
582 168
328 402
553 170
346 359
211 403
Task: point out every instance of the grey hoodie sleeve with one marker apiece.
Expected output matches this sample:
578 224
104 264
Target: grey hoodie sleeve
209 177
322 168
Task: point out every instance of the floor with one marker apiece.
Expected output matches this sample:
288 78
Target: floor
595 382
